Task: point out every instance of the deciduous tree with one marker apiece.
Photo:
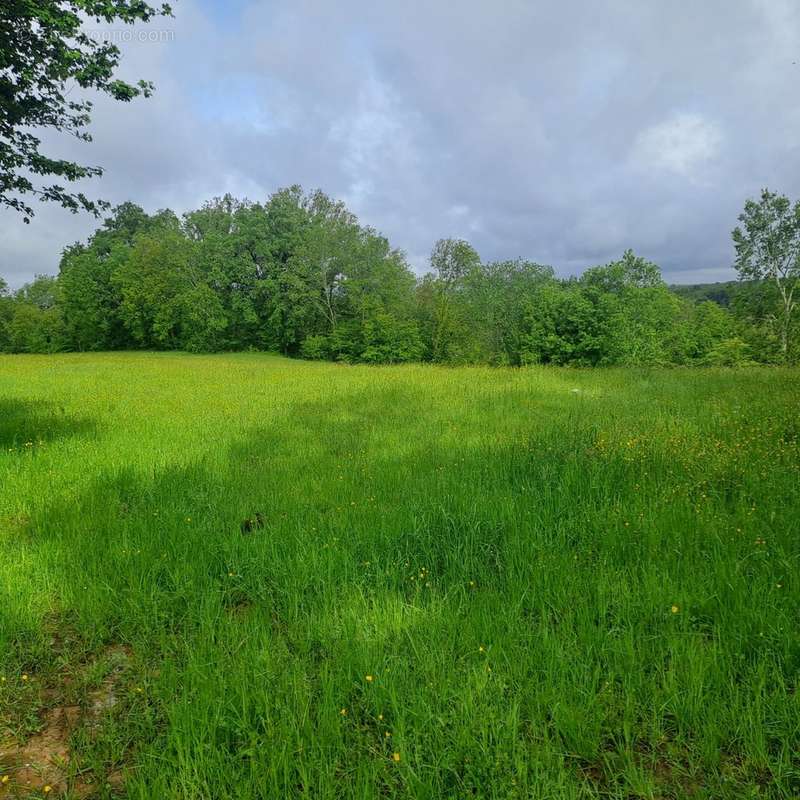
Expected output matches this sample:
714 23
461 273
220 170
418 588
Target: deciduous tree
768 248
45 51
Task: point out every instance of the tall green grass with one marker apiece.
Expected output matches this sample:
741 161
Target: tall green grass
475 582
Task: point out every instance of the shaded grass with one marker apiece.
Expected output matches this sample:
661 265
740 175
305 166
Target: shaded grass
24 424
500 553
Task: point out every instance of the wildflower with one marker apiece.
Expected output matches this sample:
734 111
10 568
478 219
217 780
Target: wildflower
369 678
675 609
4 779
47 789
343 712
380 716
481 649
396 757
387 734
472 584
24 676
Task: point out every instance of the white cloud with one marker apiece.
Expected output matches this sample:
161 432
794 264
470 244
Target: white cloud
685 145
514 125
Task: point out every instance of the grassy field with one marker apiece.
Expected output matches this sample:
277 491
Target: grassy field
240 576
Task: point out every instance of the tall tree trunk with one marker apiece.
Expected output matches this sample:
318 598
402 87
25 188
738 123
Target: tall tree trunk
785 336
787 295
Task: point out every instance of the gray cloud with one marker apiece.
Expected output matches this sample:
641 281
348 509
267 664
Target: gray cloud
559 132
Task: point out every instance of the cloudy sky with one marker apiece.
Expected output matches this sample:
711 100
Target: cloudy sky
564 132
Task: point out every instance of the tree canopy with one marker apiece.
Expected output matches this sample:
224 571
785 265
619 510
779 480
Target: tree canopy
45 52
768 249
299 274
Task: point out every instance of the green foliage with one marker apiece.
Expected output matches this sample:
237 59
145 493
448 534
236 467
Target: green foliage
768 249
229 255
299 274
315 347
639 314
729 353
712 324
31 321
43 49
723 293
151 283
6 312
452 339
497 299
561 326
388 340
91 295
629 273
748 311
32 329
44 292
452 260
203 321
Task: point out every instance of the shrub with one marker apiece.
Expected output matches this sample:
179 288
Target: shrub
315 348
729 353
389 340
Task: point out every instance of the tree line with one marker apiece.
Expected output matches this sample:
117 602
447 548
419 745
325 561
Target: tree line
299 274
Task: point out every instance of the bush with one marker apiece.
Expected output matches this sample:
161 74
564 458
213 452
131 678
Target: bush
203 320
389 340
315 348
35 330
729 353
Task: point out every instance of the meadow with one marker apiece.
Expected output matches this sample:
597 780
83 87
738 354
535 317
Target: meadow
240 576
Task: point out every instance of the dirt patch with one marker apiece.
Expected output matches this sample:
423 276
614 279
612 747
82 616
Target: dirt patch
104 698
45 759
668 766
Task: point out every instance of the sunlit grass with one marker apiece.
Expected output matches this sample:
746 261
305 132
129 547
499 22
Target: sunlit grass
560 583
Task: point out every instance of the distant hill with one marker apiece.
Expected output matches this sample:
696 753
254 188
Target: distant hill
722 293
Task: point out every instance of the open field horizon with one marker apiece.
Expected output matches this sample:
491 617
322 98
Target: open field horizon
239 575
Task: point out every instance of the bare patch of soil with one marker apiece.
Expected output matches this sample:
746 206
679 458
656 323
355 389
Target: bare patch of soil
44 759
